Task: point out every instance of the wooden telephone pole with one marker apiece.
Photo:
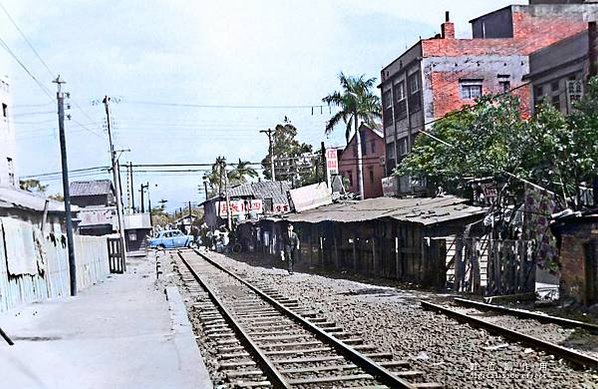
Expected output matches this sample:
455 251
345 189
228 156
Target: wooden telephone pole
115 177
65 188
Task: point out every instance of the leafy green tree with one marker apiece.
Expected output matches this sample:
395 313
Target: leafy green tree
241 171
357 104
492 139
32 185
290 153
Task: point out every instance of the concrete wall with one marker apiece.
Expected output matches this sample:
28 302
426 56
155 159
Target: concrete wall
52 277
442 76
8 146
553 66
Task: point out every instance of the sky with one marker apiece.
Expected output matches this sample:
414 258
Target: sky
192 80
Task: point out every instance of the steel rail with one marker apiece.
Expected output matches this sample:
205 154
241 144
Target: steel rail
263 361
568 354
368 365
528 315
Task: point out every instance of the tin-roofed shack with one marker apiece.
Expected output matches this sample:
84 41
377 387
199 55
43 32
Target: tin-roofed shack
403 239
248 202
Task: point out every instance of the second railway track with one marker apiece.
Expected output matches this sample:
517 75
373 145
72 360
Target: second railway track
266 340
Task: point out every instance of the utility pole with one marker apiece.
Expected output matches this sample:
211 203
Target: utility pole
132 188
190 213
149 203
269 132
359 157
142 199
129 192
593 59
229 220
323 156
65 188
116 179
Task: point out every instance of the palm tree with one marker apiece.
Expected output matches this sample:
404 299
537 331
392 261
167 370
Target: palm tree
357 105
218 170
241 170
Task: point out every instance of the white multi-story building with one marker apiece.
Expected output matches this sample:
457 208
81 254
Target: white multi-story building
8 144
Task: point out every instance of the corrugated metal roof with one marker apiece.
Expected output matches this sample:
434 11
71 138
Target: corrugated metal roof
90 188
426 211
17 198
277 190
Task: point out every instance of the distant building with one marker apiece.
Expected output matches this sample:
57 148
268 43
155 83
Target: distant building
8 146
442 74
137 229
558 72
372 149
248 201
97 204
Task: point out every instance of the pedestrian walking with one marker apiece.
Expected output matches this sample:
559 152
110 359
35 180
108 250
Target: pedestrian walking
290 243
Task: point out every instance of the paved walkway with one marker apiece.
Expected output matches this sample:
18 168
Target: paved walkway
122 333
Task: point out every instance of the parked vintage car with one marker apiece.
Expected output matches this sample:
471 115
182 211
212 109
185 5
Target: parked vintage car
169 239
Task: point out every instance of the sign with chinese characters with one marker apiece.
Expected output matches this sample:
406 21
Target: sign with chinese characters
240 207
332 161
331 164
96 216
281 208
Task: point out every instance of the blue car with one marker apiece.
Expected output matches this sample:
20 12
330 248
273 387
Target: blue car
170 239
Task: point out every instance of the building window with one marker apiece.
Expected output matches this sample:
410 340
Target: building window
387 103
470 89
400 101
403 146
413 85
556 102
373 146
371 170
4 110
539 91
11 171
504 84
554 86
390 150
350 177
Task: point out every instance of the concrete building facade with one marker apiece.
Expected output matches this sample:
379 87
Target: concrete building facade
372 150
443 73
8 144
558 72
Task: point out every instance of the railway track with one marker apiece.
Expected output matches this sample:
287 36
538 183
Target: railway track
264 339
520 326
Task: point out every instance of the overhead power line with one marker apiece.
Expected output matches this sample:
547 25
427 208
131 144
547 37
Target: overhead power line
188 105
29 72
52 74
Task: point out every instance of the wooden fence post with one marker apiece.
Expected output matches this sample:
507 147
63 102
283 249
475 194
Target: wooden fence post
458 264
398 272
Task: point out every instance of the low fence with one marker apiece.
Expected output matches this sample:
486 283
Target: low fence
34 265
491 267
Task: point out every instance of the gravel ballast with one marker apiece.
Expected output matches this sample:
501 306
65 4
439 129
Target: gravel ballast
455 354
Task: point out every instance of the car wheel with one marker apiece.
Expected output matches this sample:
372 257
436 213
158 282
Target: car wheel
161 247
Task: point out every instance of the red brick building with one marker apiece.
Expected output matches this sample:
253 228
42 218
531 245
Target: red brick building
372 148
441 74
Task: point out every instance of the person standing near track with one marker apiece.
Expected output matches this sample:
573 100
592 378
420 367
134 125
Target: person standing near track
290 243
